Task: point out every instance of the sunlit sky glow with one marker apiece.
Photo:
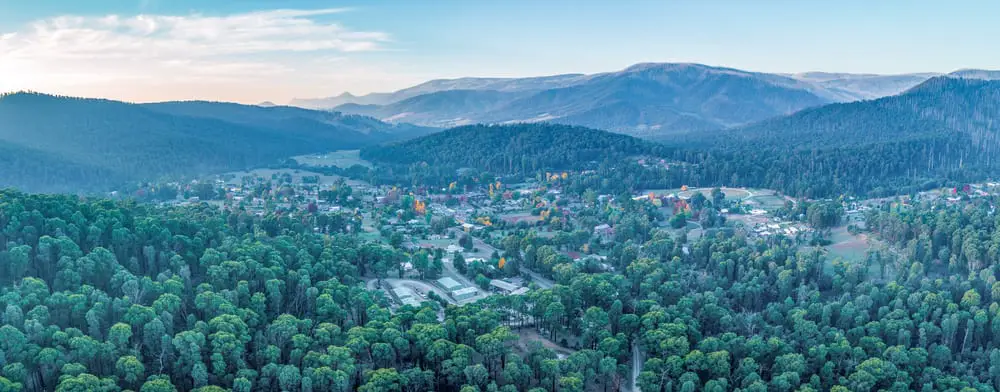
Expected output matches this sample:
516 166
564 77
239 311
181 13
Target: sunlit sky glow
252 50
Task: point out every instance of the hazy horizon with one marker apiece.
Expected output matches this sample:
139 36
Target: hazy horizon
254 51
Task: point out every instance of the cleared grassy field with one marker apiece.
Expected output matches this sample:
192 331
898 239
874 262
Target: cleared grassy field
848 247
768 202
731 193
342 159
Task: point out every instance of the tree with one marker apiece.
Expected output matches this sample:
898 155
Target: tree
158 384
119 335
85 383
466 242
382 380
130 369
459 262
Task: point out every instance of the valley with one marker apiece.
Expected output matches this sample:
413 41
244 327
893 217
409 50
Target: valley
535 255
487 196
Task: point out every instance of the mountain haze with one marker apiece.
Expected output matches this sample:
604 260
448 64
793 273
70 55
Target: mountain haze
439 85
984 74
855 87
645 99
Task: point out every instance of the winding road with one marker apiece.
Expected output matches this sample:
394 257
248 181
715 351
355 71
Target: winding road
541 281
637 361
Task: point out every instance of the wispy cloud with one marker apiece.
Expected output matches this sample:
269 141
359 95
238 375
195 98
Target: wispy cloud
191 35
61 52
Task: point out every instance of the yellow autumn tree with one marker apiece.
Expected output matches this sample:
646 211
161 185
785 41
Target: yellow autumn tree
502 263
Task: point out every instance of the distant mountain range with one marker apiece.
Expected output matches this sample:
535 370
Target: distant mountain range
433 86
944 131
854 87
653 99
60 144
738 127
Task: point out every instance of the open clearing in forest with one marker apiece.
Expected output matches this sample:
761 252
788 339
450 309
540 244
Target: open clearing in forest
731 193
342 159
846 247
527 335
767 202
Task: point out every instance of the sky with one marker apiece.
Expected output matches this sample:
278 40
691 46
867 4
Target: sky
255 50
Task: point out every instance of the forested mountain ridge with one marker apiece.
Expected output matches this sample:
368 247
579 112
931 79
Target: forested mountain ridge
942 132
939 105
321 125
945 129
644 99
511 149
81 145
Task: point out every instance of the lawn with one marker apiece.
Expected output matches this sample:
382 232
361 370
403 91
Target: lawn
768 202
847 247
731 193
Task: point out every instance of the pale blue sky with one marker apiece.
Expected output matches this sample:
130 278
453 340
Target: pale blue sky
247 51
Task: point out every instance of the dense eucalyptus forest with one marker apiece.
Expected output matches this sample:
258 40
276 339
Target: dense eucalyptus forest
107 296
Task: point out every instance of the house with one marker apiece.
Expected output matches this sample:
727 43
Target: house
605 232
503 287
405 296
464 293
449 284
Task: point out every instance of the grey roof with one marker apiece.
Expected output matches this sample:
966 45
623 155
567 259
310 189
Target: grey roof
505 286
449 284
464 291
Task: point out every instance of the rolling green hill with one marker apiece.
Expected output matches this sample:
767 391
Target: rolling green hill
516 149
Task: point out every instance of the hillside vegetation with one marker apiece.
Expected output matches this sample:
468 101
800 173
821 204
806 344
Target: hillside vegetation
944 130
